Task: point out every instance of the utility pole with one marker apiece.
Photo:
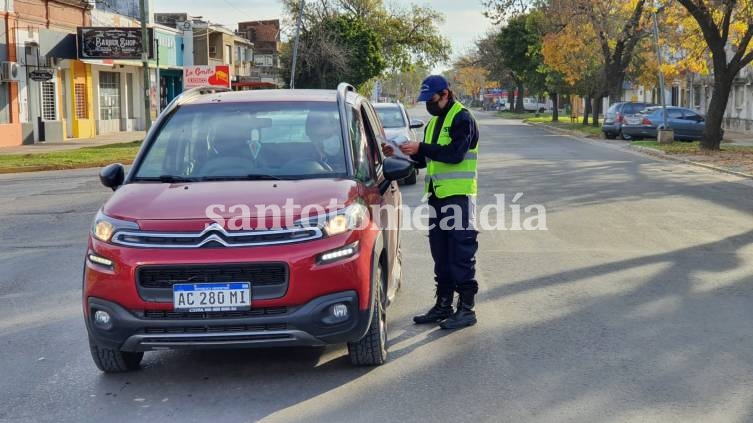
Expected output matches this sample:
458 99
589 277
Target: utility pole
145 62
295 45
665 134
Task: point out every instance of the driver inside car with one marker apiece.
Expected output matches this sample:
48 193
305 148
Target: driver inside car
323 129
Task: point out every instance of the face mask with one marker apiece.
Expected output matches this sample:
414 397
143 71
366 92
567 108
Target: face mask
433 108
331 146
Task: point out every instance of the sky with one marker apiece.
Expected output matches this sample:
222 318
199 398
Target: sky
463 26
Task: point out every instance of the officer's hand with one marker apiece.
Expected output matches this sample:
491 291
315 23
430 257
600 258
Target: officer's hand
410 148
387 150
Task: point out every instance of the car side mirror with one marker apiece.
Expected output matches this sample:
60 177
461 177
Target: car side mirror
394 169
112 176
416 123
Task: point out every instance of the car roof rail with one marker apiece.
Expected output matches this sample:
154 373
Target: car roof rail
199 91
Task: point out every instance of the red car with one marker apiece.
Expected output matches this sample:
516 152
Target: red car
209 241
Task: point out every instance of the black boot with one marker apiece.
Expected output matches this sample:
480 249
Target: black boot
464 314
441 310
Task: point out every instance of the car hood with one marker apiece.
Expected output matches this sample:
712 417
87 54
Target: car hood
143 202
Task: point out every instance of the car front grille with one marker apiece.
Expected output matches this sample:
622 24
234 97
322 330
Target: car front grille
179 315
268 280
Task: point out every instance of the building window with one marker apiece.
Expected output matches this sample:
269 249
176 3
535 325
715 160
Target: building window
82 111
739 95
109 95
48 101
228 54
697 101
4 118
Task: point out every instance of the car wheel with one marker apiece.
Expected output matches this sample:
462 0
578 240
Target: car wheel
609 135
114 361
625 137
371 350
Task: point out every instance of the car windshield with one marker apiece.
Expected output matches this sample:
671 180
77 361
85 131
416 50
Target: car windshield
391 116
251 140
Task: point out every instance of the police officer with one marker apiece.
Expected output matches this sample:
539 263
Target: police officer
449 153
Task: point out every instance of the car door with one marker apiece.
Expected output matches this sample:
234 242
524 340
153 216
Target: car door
390 201
694 124
675 121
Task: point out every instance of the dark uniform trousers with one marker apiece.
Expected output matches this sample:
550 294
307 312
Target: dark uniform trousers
453 249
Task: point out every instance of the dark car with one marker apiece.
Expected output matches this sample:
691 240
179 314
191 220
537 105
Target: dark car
397 124
198 247
687 124
616 116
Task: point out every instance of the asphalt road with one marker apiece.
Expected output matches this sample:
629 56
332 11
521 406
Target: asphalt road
635 305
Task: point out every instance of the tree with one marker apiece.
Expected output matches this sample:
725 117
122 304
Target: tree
519 42
727 29
617 24
407 35
339 48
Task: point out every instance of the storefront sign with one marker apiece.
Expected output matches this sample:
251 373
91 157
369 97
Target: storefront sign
112 43
202 76
41 75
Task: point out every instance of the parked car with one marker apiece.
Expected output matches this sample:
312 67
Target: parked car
532 104
687 124
397 124
169 264
616 116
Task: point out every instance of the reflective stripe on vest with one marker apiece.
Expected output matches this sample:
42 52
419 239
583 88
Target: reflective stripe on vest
446 178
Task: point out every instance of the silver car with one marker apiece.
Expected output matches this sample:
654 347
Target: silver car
398 125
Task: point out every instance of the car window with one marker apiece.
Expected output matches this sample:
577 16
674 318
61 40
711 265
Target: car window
391 116
613 108
674 113
634 108
689 115
281 139
360 147
373 132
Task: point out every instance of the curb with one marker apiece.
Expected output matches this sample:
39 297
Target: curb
644 150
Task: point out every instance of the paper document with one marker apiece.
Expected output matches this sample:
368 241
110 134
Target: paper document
395 143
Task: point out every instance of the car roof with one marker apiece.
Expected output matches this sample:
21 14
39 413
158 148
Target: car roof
270 96
385 105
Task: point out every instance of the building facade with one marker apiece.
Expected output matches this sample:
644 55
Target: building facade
265 35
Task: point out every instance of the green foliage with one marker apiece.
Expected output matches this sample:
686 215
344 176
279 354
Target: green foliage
365 59
520 44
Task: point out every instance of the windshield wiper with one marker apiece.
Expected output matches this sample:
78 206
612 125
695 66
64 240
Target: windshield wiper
251 177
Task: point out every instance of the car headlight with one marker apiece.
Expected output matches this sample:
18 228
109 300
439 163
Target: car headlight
105 227
347 219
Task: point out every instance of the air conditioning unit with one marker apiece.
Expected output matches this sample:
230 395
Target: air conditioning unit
10 71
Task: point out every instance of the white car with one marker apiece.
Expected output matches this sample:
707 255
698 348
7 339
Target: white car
398 126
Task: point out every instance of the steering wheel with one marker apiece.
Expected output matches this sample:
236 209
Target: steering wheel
227 166
309 165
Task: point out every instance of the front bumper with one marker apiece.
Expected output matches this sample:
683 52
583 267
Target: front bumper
308 325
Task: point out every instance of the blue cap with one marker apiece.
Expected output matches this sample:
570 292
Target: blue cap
432 85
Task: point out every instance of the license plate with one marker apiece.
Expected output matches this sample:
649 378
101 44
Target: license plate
203 297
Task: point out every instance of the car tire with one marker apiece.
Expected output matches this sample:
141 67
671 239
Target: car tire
625 137
609 135
371 350
114 361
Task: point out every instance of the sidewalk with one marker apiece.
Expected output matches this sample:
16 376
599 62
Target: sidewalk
738 138
74 143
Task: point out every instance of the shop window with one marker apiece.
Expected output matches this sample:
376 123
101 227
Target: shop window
82 111
109 95
48 101
4 118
